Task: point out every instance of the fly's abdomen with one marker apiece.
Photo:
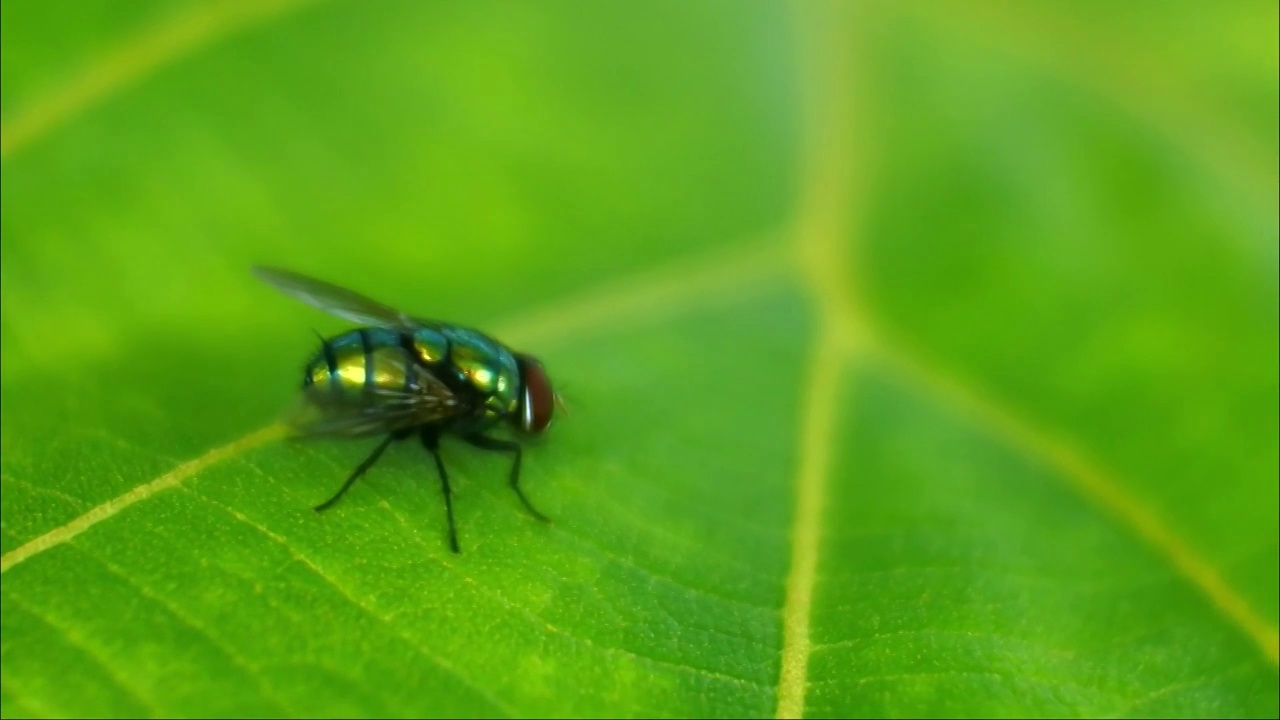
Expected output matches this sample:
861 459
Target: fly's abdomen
359 361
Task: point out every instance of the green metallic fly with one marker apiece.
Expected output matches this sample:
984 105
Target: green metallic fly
403 376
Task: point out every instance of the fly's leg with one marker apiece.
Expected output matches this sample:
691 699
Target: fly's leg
431 441
488 443
360 470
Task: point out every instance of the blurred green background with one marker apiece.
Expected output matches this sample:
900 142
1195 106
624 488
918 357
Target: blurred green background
921 357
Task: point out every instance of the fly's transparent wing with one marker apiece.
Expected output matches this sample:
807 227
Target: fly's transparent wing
346 304
326 411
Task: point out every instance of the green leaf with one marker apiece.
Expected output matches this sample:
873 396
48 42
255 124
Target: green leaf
920 358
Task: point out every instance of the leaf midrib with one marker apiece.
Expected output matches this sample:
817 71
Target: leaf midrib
847 334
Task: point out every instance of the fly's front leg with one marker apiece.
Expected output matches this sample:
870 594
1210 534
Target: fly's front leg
488 443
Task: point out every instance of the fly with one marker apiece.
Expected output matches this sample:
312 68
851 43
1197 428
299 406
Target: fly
401 377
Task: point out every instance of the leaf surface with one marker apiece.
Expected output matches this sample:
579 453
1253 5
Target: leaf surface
920 358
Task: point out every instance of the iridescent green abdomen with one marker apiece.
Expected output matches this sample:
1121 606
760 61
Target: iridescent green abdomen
361 360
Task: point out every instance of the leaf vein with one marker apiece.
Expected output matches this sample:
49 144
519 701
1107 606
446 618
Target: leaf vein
75 502
26 704
65 533
133 61
543 623
580 542
630 299
822 245
92 654
1091 482
1130 708
235 658
355 602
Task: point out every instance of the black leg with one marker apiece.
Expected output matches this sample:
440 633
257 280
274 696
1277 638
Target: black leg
489 443
360 470
431 441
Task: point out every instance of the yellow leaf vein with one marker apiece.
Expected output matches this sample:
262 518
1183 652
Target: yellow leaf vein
651 296
134 60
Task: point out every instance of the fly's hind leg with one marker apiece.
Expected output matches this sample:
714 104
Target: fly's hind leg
488 443
360 470
431 441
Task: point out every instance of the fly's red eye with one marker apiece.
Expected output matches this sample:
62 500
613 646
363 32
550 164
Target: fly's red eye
539 400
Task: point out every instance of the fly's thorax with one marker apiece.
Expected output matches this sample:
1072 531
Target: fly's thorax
431 346
486 367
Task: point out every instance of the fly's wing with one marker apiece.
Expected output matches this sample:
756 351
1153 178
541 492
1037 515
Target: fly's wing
346 304
326 411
